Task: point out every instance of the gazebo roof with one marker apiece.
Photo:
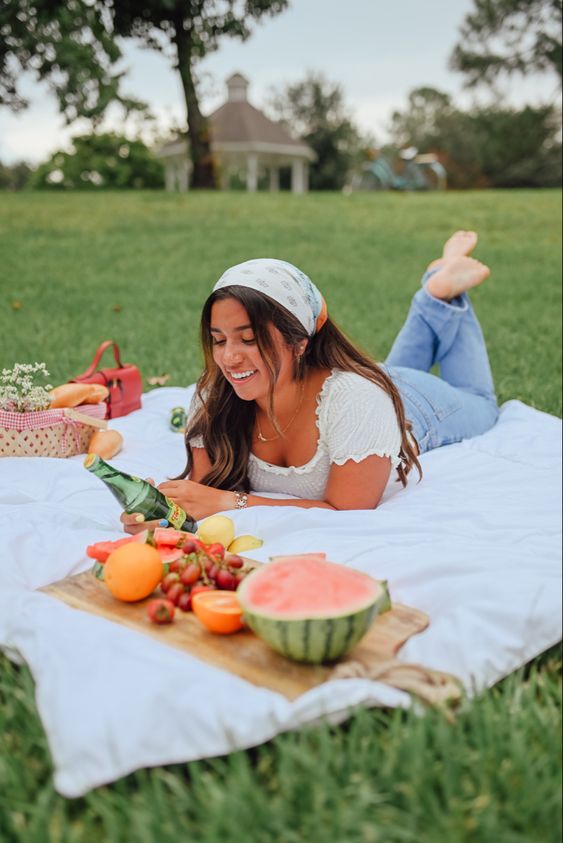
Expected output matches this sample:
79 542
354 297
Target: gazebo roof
236 122
239 123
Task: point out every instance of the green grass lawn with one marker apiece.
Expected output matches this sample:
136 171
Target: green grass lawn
81 268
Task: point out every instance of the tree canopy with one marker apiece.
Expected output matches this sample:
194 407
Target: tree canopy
494 146
315 110
98 161
74 46
509 36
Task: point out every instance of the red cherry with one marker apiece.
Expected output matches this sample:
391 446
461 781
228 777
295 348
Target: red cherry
185 601
189 545
178 565
234 561
175 591
191 574
168 581
226 580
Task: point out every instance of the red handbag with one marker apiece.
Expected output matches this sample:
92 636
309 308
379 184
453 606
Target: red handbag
124 382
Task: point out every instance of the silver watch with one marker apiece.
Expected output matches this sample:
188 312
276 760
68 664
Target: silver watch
241 500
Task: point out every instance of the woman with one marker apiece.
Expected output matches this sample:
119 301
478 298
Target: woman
287 404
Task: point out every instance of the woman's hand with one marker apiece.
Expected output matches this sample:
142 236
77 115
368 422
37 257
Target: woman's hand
135 522
197 500
132 525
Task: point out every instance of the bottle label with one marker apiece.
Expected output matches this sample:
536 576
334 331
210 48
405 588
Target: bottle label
176 515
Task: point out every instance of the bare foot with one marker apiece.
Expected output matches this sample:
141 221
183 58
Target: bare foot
456 276
460 243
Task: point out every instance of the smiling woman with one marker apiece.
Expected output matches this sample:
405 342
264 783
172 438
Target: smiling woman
287 404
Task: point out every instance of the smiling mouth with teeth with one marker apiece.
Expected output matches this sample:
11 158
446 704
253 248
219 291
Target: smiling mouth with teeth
239 376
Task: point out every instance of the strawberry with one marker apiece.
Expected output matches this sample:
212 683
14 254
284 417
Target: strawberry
161 611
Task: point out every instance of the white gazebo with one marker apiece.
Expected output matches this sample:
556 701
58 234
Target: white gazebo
245 144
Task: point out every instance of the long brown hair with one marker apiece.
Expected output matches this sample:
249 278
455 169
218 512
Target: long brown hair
226 422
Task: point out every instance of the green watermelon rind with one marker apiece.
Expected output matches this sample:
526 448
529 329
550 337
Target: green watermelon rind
319 639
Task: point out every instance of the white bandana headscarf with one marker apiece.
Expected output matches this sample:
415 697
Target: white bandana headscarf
282 282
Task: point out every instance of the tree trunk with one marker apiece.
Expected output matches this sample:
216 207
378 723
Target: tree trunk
203 174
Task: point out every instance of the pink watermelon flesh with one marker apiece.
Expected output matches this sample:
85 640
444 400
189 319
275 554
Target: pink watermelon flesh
169 536
294 587
169 554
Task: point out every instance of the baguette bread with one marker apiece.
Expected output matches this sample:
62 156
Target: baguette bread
74 394
105 443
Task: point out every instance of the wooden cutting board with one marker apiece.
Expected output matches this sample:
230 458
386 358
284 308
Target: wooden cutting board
245 655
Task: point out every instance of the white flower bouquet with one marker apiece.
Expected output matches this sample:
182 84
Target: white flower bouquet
29 428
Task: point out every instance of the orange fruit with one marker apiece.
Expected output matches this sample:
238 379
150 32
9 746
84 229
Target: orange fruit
133 571
219 611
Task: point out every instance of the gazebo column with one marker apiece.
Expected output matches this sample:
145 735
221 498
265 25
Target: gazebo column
252 172
170 177
183 177
298 176
274 178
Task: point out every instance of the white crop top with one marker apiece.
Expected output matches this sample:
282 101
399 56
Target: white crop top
356 419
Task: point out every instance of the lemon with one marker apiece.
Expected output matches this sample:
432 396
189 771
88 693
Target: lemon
242 543
216 528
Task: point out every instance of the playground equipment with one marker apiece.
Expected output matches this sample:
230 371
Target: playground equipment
411 172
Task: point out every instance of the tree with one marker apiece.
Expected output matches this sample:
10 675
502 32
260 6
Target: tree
483 147
314 110
101 161
73 45
509 36
420 123
14 176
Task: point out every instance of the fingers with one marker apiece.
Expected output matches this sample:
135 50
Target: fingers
171 486
135 523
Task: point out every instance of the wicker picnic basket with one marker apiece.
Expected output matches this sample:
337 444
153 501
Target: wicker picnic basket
64 432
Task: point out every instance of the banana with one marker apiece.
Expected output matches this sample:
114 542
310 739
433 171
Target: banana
242 543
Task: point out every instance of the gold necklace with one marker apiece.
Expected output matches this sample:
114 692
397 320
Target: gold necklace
288 425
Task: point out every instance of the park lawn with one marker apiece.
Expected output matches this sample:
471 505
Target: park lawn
136 267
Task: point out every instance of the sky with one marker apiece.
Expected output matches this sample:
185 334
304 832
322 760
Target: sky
376 50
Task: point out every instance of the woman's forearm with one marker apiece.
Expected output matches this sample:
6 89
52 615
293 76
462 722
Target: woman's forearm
258 500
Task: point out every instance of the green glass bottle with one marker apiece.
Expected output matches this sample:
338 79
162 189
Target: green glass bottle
136 495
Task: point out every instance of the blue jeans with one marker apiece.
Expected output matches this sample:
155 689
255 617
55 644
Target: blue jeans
462 402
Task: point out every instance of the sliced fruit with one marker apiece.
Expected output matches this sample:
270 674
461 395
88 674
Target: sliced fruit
98 570
309 609
169 554
200 588
301 556
168 536
101 550
219 611
242 543
216 528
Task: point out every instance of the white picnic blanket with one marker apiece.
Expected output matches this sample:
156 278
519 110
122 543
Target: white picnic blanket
476 545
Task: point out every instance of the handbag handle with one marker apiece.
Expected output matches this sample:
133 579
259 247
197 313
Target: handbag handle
94 364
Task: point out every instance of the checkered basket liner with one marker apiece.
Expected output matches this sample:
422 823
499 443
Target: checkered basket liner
63 432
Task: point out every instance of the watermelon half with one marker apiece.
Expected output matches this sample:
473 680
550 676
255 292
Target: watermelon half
309 609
